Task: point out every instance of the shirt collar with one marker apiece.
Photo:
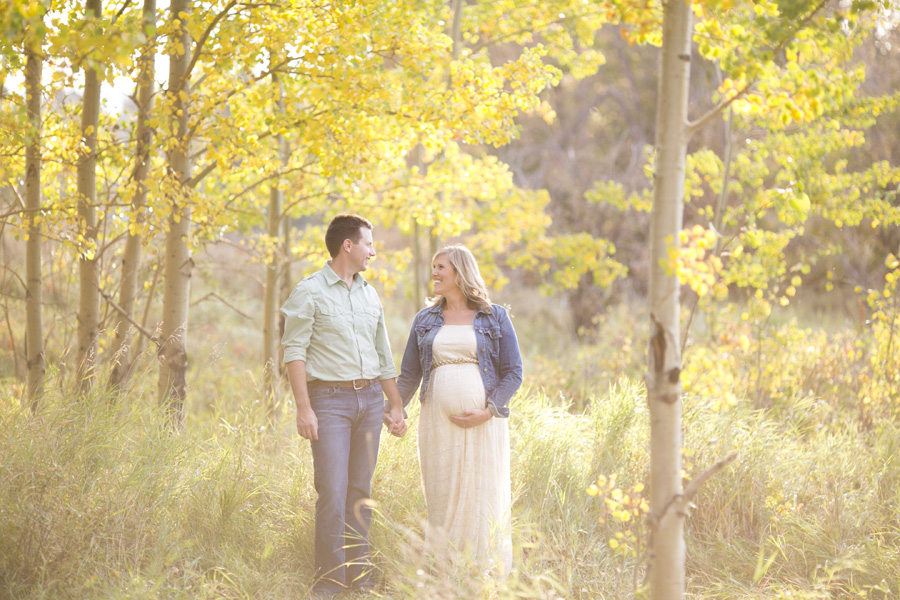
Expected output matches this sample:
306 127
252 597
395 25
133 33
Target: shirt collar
332 278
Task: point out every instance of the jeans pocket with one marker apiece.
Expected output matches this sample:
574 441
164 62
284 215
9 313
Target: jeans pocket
321 397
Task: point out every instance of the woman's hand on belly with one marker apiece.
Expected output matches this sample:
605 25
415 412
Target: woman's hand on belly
471 418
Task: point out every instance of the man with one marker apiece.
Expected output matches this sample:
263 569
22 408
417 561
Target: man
340 365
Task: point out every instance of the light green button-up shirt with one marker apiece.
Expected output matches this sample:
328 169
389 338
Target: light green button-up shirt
337 331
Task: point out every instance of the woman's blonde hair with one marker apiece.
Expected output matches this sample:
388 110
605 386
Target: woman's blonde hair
468 278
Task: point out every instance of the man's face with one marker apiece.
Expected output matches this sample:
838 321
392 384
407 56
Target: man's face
363 250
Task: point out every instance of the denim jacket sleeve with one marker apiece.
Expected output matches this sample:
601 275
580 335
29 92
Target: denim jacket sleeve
509 369
410 366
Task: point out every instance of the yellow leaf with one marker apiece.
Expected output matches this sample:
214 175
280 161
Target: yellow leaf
800 203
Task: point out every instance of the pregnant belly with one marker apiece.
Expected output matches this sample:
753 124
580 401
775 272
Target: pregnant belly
457 388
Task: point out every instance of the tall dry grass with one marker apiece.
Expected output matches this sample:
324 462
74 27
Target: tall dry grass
99 500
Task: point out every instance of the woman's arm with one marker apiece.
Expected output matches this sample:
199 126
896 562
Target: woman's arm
510 372
410 367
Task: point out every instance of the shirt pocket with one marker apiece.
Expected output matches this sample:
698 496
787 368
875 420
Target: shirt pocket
331 320
367 321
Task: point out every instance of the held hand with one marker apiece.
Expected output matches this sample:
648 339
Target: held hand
395 423
307 424
472 418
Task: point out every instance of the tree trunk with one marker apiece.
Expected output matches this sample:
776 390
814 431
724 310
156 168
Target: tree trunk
287 281
272 294
667 514
88 262
34 327
172 386
418 280
123 357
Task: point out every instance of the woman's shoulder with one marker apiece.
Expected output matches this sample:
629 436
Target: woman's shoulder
497 315
426 314
499 311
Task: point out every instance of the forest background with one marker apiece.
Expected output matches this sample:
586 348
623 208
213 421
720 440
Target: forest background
147 242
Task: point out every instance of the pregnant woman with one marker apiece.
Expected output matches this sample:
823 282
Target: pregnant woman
463 351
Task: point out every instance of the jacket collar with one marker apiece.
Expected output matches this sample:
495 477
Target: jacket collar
436 310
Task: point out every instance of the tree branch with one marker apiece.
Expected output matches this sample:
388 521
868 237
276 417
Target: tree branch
193 181
696 483
125 5
223 301
195 55
259 182
693 126
234 92
18 198
145 332
681 501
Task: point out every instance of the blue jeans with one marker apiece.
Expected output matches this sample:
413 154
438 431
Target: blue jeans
343 461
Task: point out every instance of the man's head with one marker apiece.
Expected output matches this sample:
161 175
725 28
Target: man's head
349 241
344 227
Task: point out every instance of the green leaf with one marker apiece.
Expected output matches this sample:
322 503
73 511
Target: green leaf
800 203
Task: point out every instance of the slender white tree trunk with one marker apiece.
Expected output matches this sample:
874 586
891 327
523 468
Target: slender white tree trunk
172 385
88 263
418 281
34 327
122 354
287 280
667 550
272 293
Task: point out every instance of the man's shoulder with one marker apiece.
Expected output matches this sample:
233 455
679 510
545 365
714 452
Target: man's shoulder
313 280
309 286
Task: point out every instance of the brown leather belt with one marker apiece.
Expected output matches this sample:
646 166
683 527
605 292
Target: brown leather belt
356 384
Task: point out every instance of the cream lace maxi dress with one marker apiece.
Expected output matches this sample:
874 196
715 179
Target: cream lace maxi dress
465 472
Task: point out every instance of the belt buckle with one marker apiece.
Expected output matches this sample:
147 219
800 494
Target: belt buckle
360 387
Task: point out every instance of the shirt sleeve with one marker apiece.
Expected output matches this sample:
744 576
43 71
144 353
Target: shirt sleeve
383 347
299 314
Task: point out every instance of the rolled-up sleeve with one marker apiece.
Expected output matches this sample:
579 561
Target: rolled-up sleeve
383 347
299 314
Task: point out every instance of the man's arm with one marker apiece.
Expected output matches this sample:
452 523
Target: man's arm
307 423
397 425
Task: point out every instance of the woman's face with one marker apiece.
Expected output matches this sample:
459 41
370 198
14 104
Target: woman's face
443 275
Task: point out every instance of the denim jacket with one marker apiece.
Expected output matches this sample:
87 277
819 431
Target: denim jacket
499 360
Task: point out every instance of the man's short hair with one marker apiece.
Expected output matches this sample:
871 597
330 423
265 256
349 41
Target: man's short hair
344 227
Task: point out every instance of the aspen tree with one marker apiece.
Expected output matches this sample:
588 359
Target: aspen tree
34 328
274 261
122 354
88 261
178 267
667 511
